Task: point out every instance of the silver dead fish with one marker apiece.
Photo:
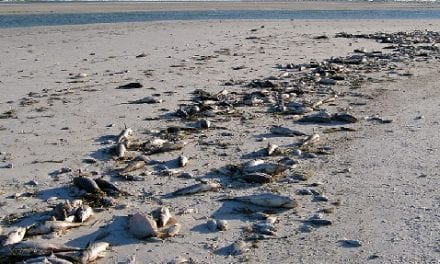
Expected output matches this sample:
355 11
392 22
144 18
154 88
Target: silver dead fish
15 236
198 188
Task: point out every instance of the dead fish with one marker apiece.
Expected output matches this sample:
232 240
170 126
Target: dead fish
271 148
344 117
52 259
125 135
107 186
146 100
132 85
239 247
121 151
264 228
83 213
285 131
310 140
256 177
141 226
28 249
212 225
162 216
205 123
167 147
87 184
182 161
129 177
222 225
350 243
15 236
135 165
320 117
94 251
263 166
170 231
319 222
51 226
269 200
198 188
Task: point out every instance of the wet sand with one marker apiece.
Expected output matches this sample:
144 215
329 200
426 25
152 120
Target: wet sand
66 7
60 109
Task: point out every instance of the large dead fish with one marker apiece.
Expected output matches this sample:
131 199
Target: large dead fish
28 249
198 188
51 226
52 259
269 200
91 253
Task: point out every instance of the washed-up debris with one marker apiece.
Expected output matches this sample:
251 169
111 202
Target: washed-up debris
239 247
199 188
142 226
269 200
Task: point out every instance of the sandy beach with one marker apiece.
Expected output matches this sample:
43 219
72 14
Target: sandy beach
367 191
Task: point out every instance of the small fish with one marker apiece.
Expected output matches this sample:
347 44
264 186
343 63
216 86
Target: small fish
94 251
87 184
264 228
125 135
269 200
15 236
264 167
147 100
239 247
107 186
121 151
222 225
285 131
83 213
162 216
182 161
198 188
310 140
256 177
170 231
350 243
167 147
271 148
135 165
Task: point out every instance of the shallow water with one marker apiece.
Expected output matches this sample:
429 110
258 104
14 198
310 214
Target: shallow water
10 21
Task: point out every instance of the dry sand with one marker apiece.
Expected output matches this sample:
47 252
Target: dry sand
389 199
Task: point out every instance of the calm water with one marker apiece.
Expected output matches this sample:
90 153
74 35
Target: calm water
8 21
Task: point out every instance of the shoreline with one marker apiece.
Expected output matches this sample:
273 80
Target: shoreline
92 7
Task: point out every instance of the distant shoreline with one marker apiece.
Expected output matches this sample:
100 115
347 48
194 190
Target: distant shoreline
93 7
